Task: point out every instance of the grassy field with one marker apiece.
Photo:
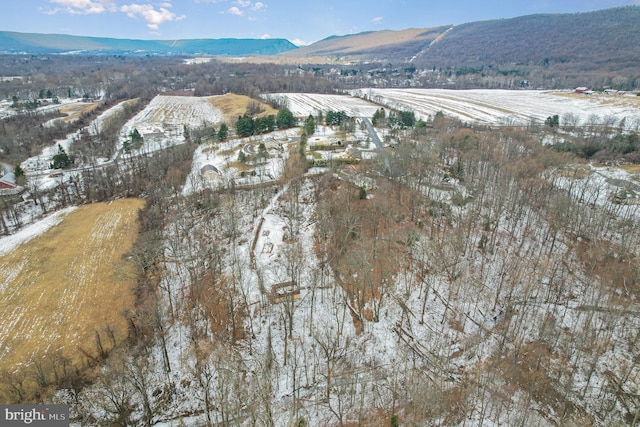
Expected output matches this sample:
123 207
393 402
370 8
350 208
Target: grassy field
75 110
66 287
233 106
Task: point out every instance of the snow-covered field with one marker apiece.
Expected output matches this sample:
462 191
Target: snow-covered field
507 106
163 120
169 114
304 104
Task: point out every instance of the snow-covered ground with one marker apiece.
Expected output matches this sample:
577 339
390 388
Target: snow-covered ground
221 155
166 112
446 325
42 161
305 104
7 111
503 107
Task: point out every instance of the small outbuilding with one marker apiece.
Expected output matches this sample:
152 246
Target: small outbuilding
209 172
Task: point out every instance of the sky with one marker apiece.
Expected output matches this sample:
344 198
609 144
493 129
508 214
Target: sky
300 21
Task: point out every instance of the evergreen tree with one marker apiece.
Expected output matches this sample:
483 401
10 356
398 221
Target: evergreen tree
18 172
330 117
223 132
362 194
285 119
336 118
61 160
136 139
245 126
264 124
552 121
303 145
379 117
310 125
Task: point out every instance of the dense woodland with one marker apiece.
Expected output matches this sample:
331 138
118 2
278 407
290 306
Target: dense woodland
480 280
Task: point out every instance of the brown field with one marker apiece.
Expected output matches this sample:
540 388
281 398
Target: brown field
233 105
66 286
75 110
631 168
616 100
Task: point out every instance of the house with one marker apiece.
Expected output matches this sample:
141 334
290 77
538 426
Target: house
581 89
8 182
9 188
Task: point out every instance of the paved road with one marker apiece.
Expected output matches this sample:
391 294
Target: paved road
376 140
372 132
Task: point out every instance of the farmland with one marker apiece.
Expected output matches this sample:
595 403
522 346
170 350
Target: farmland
304 104
167 116
508 106
60 292
495 107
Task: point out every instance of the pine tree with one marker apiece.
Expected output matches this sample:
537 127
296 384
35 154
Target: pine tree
223 132
61 160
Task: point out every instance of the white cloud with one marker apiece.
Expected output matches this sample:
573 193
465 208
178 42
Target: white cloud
148 12
257 6
83 7
265 36
377 20
299 42
243 3
235 11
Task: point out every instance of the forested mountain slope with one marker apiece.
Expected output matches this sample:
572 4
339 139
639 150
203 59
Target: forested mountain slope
559 46
31 43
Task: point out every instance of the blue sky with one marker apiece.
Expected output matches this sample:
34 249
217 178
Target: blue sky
301 22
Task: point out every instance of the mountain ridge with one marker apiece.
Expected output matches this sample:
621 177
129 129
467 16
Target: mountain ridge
35 43
499 41
560 45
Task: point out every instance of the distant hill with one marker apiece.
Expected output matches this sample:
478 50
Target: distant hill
31 43
606 39
565 49
598 38
386 45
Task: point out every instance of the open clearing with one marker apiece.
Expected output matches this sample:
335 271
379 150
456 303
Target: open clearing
304 104
492 106
233 105
167 115
64 286
75 110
